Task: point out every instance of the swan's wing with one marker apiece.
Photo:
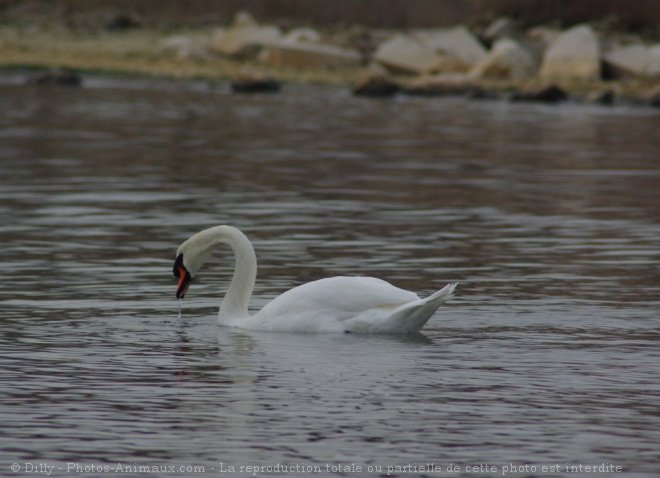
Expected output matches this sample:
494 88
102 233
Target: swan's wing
340 297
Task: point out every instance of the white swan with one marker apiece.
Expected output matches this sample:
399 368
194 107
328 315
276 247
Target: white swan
337 304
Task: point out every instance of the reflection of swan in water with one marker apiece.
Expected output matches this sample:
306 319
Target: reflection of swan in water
337 304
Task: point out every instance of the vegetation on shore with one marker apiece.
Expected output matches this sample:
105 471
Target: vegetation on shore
137 52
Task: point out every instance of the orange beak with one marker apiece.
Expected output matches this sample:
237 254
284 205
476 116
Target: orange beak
181 273
184 283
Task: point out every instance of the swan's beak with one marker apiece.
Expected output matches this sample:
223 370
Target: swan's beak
181 273
184 283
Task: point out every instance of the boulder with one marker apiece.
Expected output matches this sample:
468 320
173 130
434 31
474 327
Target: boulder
376 87
654 69
544 35
183 48
457 43
573 56
407 55
633 61
537 40
244 19
502 27
376 69
506 60
244 38
309 55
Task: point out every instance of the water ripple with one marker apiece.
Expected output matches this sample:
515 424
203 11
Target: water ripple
548 217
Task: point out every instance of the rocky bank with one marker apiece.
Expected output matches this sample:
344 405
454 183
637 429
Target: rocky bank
501 59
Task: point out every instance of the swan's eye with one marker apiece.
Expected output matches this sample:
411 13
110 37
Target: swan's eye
178 265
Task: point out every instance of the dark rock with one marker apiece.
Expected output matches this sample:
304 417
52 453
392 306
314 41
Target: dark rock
478 93
654 97
546 94
122 23
376 87
255 84
56 77
441 85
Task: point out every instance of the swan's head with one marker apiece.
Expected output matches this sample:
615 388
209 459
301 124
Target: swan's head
190 257
193 253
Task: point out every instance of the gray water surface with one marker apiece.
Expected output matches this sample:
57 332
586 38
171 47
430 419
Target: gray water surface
548 216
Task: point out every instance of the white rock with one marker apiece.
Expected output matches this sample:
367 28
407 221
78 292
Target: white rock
654 69
544 35
244 19
634 60
183 48
507 59
376 69
501 28
302 35
238 40
309 55
573 55
458 43
404 54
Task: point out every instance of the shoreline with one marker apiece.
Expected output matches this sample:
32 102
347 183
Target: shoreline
140 53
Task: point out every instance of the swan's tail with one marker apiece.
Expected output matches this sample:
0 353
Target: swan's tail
442 295
413 316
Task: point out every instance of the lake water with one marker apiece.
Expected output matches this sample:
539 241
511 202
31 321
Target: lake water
549 216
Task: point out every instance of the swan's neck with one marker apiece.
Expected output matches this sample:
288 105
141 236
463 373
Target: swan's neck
236 301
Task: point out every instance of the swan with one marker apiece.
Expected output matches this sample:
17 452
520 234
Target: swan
336 304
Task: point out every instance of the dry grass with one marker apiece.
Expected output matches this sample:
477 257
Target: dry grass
137 52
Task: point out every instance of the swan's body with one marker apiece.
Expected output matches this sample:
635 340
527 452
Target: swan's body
337 304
